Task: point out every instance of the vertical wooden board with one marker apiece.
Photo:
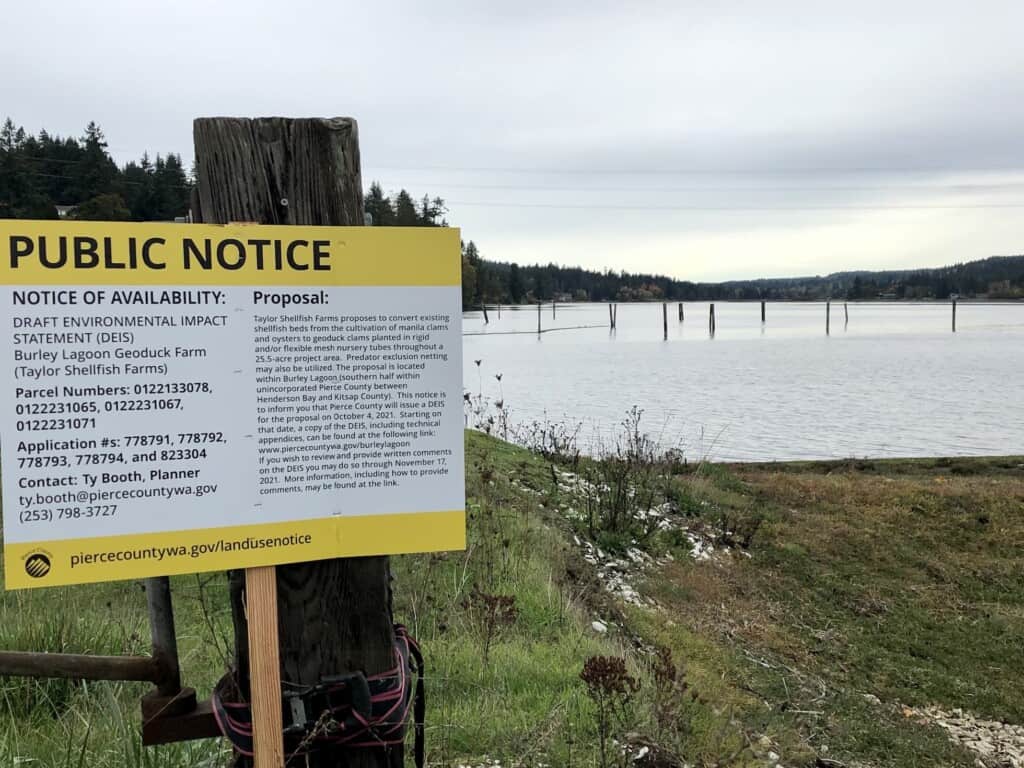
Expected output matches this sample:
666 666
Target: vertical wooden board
264 667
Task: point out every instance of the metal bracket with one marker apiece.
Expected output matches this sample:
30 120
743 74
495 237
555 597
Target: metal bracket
169 713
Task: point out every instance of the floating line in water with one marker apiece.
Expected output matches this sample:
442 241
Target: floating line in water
545 330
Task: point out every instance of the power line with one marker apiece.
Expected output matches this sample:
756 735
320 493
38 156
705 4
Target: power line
114 183
702 188
37 159
742 208
694 171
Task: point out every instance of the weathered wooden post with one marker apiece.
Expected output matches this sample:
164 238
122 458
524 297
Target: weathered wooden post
846 315
484 308
334 616
611 319
538 318
762 312
553 308
615 324
680 311
664 318
828 316
954 315
711 319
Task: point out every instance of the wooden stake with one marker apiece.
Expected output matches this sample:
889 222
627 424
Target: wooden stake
828 316
762 312
711 320
664 318
484 307
954 315
846 314
264 667
538 318
552 308
680 311
611 320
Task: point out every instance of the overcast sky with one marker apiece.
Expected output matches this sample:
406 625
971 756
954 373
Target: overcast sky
653 136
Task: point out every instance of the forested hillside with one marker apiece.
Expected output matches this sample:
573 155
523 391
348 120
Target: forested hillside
40 173
998 277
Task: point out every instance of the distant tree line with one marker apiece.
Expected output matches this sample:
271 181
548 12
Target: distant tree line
40 173
494 282
997 277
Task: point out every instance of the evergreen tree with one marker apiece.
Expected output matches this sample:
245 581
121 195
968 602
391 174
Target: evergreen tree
432 212
95 172
406 214
515 284
379 207
469 286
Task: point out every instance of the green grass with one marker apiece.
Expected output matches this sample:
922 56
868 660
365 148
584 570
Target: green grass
899 579
527 700
76 723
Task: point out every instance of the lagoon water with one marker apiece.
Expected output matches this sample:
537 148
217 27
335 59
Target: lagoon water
894 381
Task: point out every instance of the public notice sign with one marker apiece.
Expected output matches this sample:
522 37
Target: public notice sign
184 398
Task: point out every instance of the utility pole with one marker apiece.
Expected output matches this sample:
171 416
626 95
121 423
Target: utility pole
334 616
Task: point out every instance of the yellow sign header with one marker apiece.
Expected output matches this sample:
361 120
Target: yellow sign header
117 253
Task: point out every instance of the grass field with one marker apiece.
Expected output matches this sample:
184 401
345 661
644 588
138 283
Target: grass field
855 592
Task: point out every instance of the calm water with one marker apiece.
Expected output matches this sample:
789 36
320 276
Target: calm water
895 381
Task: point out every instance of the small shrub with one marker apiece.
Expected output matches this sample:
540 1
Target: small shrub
671 697
737 529
627 477
610 687
491 614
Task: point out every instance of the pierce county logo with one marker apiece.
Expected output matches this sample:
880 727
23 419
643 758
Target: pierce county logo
37 565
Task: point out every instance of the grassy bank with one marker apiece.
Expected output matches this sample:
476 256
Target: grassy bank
799 614
502 675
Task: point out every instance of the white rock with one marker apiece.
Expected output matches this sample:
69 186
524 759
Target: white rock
599 626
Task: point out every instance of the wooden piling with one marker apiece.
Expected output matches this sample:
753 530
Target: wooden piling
680 311
711 320
611 319
484 308
762 313
538 318
615 316
828 316
846 314
552 309
664 318
954 315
